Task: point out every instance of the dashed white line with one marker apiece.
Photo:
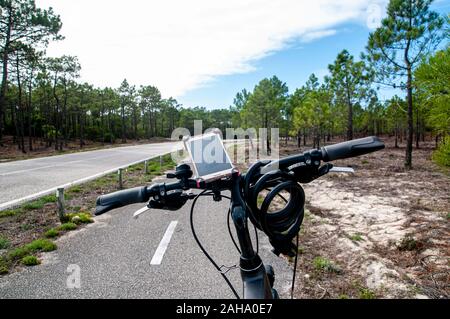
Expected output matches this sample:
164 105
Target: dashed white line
161 250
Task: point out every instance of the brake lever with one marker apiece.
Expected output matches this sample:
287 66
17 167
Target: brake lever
307 173
342 170
141 211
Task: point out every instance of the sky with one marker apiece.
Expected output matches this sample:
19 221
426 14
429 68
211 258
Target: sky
203 52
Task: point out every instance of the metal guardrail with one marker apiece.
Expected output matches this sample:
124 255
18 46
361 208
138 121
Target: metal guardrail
18 202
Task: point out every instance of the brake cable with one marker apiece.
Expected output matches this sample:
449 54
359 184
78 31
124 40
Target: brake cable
203 193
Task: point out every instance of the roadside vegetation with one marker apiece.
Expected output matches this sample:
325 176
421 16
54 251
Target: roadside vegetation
379 233
33 228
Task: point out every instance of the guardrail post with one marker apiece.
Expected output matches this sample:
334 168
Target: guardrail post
146 167
120 173
160 161
60 203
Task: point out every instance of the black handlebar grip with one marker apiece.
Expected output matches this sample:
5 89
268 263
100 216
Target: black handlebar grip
352 148
115 200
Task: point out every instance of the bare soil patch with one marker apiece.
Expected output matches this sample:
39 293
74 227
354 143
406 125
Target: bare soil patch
386 229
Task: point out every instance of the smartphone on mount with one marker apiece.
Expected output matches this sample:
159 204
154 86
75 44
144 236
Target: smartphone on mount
208 156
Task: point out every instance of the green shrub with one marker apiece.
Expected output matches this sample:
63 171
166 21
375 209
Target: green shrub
35 246
30 261
323 264
356 237
41 202
41 245
52 233
80 218
18 253
9 213
33 205
4 267
25 227
365 293
442 154
68 227
75 190
409 243
48 199
4 243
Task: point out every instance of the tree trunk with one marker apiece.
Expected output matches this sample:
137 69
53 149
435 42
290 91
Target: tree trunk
64 121
13 122
29 115
123 123
349 114
19 102
22 129
135 124
304 137
417 128
410 128
57 117
150 124
350 122
396 136
81 122
4 86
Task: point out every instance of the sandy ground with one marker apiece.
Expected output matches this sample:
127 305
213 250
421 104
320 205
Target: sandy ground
382 232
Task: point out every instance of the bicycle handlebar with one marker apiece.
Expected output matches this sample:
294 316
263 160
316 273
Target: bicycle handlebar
108 202
351 149
348 149
126 197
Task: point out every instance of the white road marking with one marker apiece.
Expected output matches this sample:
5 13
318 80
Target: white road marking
19 201
161 250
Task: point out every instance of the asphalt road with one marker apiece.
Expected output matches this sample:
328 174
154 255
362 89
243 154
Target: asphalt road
25 178
114 258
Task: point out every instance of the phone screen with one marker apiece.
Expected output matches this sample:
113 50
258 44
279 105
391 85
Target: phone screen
209 155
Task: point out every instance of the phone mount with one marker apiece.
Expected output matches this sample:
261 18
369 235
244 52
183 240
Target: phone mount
183 172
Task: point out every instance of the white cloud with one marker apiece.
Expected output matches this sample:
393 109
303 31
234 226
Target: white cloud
181 45
314 35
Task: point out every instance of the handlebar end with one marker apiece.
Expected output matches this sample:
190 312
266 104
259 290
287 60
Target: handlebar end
102 209
115 200
352 148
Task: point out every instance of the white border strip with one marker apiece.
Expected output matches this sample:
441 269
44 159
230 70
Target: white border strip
161 250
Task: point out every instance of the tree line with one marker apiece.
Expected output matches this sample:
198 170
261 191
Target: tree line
400 54
42 97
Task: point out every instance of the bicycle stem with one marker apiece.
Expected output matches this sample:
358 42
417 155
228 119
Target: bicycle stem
249 258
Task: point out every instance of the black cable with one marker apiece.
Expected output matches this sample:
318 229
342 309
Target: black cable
201 246
295 271
257 239
229 231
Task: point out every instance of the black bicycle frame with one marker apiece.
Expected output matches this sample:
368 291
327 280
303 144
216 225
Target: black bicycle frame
253 272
